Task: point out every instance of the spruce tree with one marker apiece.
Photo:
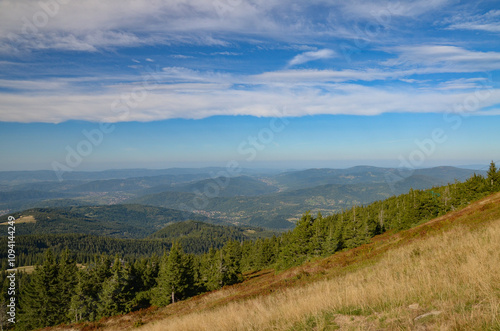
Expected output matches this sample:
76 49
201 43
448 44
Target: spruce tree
83 305
41 299
67 279
493 176
113 296
175 276
209 271
232 263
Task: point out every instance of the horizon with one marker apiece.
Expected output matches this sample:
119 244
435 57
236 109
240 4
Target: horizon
479 167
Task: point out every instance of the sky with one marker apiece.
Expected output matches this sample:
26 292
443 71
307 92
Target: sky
92 85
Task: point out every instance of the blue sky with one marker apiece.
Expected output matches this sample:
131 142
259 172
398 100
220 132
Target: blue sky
88 85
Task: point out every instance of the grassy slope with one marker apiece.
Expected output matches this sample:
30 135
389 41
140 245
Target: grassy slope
444 274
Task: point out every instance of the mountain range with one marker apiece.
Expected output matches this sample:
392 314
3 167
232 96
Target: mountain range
256 197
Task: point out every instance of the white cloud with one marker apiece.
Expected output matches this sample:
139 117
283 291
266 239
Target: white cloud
295 76
312 56
226 53
197 95
181 56
369 9
464 84
92 25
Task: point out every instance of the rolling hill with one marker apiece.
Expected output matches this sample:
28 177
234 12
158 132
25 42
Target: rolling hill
117 221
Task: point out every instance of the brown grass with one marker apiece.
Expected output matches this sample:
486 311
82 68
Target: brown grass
455 275
22 219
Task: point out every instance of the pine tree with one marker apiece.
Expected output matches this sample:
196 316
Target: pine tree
209 270
113 296
297 244
493 176
83 305
175 276
232 262
41 299
67 279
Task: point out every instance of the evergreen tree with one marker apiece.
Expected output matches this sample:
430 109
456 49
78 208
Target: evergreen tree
493 177
67 279
232 263
175 276
210 273
113 296
296 245
41 299
83 305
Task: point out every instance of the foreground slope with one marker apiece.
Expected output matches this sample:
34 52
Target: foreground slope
443 274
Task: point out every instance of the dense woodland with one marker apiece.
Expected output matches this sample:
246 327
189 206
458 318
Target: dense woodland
58 291
195 237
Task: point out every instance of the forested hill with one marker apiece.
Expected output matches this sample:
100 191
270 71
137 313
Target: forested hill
202 230
118 221
195 237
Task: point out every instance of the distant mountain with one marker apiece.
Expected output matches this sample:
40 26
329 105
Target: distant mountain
448 174
480 167
221 186
368 175
20 177
316 177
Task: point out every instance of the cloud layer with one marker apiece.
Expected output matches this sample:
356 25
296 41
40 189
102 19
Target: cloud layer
242 58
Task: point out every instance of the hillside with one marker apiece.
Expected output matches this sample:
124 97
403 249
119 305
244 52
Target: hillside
442 274
118 221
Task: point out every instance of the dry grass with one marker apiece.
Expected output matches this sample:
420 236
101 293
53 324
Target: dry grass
455 276
22 219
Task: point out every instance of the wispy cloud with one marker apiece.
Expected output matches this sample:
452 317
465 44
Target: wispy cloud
444 58
263 47
464 84
94 25
185 93
489 21
312 56
226 53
